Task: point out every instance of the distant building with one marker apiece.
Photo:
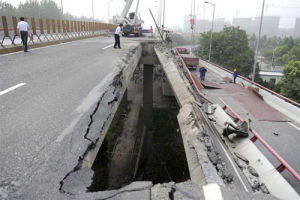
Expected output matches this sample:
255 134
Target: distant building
297 28
220 23
203 25
285 32
271 76
246 24
270 26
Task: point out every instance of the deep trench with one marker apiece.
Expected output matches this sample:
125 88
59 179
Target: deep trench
159 149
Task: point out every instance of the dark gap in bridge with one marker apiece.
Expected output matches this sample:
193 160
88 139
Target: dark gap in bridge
143 142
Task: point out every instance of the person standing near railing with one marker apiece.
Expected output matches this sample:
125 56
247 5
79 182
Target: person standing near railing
23 28
235 74
202 71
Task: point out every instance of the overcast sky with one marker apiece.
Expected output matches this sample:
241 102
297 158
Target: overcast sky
288 10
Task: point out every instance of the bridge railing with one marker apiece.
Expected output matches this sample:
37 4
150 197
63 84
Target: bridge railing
44 30
283 164
259 86
190 77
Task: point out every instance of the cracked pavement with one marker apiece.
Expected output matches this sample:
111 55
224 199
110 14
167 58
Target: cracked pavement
43 123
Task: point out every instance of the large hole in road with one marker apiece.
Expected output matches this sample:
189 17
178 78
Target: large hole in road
131 153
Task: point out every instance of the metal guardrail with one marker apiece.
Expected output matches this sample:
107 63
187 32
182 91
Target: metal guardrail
283 164
55 29
190 77
260 86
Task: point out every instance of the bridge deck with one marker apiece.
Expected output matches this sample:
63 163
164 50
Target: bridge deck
282 134
38 114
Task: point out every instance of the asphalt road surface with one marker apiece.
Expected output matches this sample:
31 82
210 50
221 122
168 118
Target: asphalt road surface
39 93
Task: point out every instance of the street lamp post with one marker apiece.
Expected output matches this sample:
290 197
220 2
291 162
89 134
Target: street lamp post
257 43
93 15
61 6
212 28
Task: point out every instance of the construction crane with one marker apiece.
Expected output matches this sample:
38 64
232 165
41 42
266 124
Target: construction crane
132 23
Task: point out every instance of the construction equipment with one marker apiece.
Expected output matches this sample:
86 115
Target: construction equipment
132 23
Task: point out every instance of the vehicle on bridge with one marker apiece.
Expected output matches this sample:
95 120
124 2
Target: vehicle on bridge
189 59
132 22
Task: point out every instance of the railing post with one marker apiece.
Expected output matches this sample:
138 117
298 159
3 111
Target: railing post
5 29
42 30
59 30
53 28
33 30
14 19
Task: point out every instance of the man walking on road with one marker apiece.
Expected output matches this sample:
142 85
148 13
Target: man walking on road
23 29
117 36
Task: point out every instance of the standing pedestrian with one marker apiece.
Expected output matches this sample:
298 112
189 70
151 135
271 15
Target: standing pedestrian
117 36
23 28
202 71
235 74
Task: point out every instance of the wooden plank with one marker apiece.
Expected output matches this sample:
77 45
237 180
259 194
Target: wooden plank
15 24
41 26
58 26
5 27
48 26
33 26
53 26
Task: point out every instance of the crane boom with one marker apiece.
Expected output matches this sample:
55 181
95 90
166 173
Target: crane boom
126 8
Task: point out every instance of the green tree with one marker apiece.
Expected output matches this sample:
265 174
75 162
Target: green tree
8 10
289 84
30 8
230 48
49 9
252 41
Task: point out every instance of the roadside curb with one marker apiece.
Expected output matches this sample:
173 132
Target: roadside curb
19 47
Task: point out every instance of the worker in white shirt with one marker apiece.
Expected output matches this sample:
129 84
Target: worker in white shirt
23 28
117 36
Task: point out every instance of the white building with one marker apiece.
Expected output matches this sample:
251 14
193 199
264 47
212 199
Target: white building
271 76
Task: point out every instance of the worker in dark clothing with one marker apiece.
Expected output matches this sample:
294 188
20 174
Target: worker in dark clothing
202 71
117 36
23 28
235 74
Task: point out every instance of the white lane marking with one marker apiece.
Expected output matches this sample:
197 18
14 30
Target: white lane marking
293 125
12 88
107 46
236 171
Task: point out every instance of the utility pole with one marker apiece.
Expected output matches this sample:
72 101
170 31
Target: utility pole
93 15
164 11
61 6
108 11
159 13
212 28
193 16
257 43
93 9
